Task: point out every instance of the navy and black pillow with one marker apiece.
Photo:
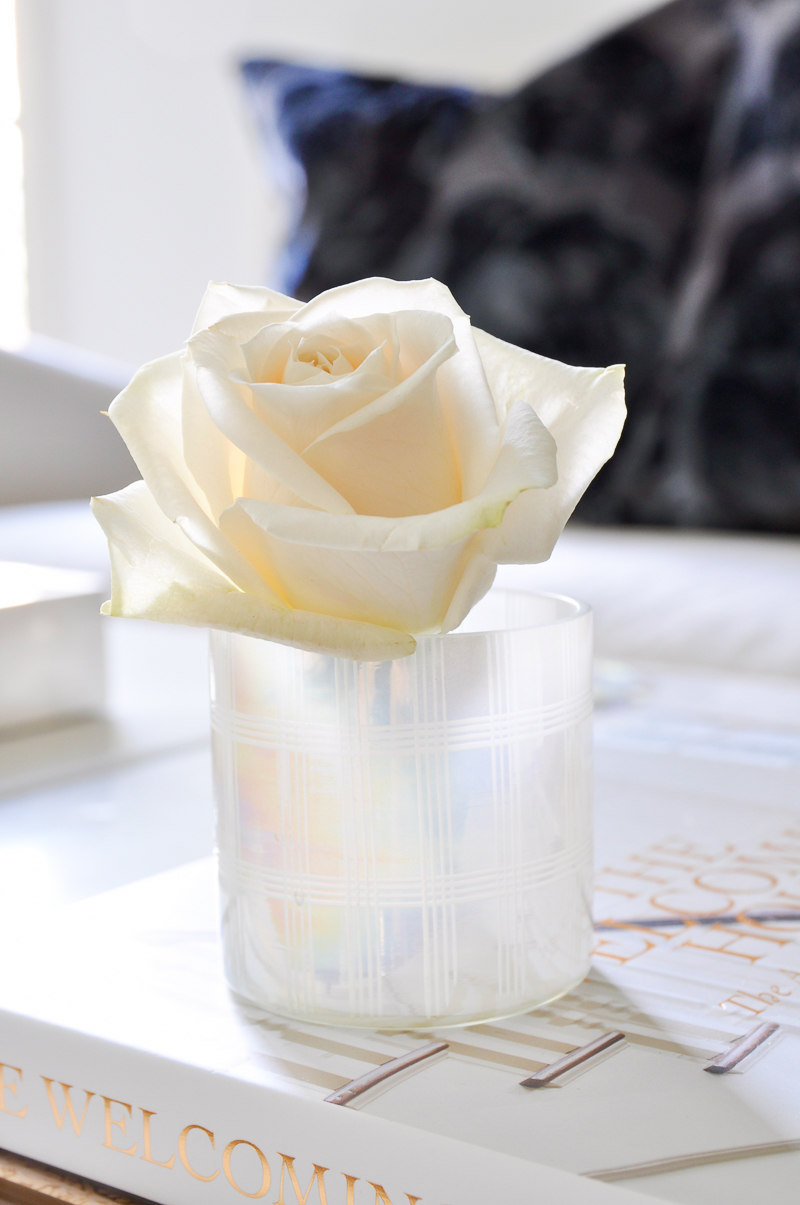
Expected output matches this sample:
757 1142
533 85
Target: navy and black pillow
638 203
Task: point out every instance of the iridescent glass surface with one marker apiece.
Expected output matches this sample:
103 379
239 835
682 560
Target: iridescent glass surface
407 843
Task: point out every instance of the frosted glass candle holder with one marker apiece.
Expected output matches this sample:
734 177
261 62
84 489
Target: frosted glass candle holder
408 843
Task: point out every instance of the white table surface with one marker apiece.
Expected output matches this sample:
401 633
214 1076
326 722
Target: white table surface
90 806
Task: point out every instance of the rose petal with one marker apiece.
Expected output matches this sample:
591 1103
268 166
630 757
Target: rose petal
584 410
158 575
220 300
147 415
300 413
410 591
132 516
476 581
243 327
402 463
526 461
394 455
139 529
431 335
528 456
466 398
410 571
364 533
216 464
215 357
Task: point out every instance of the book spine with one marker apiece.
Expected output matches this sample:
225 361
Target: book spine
180 1135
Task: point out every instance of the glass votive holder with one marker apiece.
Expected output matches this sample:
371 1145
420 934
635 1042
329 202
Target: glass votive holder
408 843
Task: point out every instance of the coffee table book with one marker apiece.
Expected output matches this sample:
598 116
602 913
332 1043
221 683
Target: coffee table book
126 1060
178 1094
52 668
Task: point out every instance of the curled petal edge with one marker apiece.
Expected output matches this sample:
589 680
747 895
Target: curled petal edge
584 409
158 575
221 300
476 581
248 616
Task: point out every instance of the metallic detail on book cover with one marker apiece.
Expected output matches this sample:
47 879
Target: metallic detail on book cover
364 1082
741 1049
679 1163
759 916
553 1070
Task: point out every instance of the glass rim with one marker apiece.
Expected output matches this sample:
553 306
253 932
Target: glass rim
581 609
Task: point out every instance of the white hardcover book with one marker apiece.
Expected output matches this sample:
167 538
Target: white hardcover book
51 649
125 1058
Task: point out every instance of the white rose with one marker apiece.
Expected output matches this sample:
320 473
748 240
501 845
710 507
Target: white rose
345 475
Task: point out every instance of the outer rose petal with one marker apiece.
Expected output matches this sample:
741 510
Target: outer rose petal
476 581
410 591
147 415
583 409
244 326
159 575
221 300
140 531
526 461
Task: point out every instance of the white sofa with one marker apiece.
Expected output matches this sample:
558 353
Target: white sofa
56 443
716 599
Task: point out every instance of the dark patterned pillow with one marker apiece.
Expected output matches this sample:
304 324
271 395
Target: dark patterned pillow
639 203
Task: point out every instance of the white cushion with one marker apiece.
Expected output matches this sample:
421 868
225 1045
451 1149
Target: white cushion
725 600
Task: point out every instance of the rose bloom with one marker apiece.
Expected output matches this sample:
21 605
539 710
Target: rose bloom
345 475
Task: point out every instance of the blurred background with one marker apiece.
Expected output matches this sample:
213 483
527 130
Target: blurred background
605 181
143 173
133 169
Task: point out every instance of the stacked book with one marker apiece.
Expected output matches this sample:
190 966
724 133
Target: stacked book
672 1072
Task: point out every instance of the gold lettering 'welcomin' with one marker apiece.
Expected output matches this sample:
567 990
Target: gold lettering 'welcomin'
287 1164
265 1174
147 1156
382 1199
108 1101
184 1134
118 1115
11 1087
69 1108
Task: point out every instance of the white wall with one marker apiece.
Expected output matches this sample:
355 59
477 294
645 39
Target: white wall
13 268
142 175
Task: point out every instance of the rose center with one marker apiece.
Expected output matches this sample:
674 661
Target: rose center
323 358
